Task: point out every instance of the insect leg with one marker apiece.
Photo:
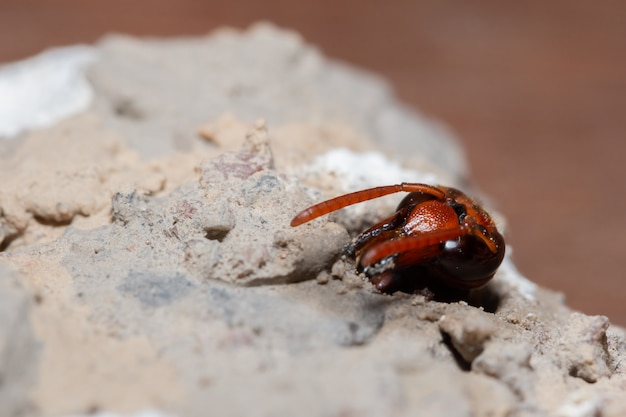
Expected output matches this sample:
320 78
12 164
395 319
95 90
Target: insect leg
417 247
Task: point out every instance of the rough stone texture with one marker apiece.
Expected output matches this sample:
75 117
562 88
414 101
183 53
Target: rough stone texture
153 266
18 345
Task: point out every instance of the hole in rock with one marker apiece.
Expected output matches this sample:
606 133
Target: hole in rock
216 233
485 297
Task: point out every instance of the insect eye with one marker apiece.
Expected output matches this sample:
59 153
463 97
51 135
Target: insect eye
459 209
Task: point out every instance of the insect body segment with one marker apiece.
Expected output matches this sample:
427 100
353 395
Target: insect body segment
438 236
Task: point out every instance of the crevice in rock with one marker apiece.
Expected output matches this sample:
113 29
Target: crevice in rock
458 358
216 233
486 297
4 244
46 221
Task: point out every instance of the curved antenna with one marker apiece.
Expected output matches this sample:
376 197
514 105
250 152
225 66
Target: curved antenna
346 200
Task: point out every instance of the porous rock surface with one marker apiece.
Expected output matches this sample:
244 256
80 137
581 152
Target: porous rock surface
148 266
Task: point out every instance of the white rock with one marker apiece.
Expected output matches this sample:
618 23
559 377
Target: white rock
42 90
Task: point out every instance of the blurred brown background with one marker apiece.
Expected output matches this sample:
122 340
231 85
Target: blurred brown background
535 89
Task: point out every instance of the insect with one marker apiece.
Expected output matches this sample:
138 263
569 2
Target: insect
439 239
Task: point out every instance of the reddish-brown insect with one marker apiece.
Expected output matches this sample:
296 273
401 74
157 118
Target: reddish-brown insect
438 237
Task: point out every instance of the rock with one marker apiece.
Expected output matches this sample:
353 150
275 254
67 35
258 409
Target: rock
590 360
167 281
39 91
18 346
468 331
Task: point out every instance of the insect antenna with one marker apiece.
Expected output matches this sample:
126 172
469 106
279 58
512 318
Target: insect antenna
356 197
